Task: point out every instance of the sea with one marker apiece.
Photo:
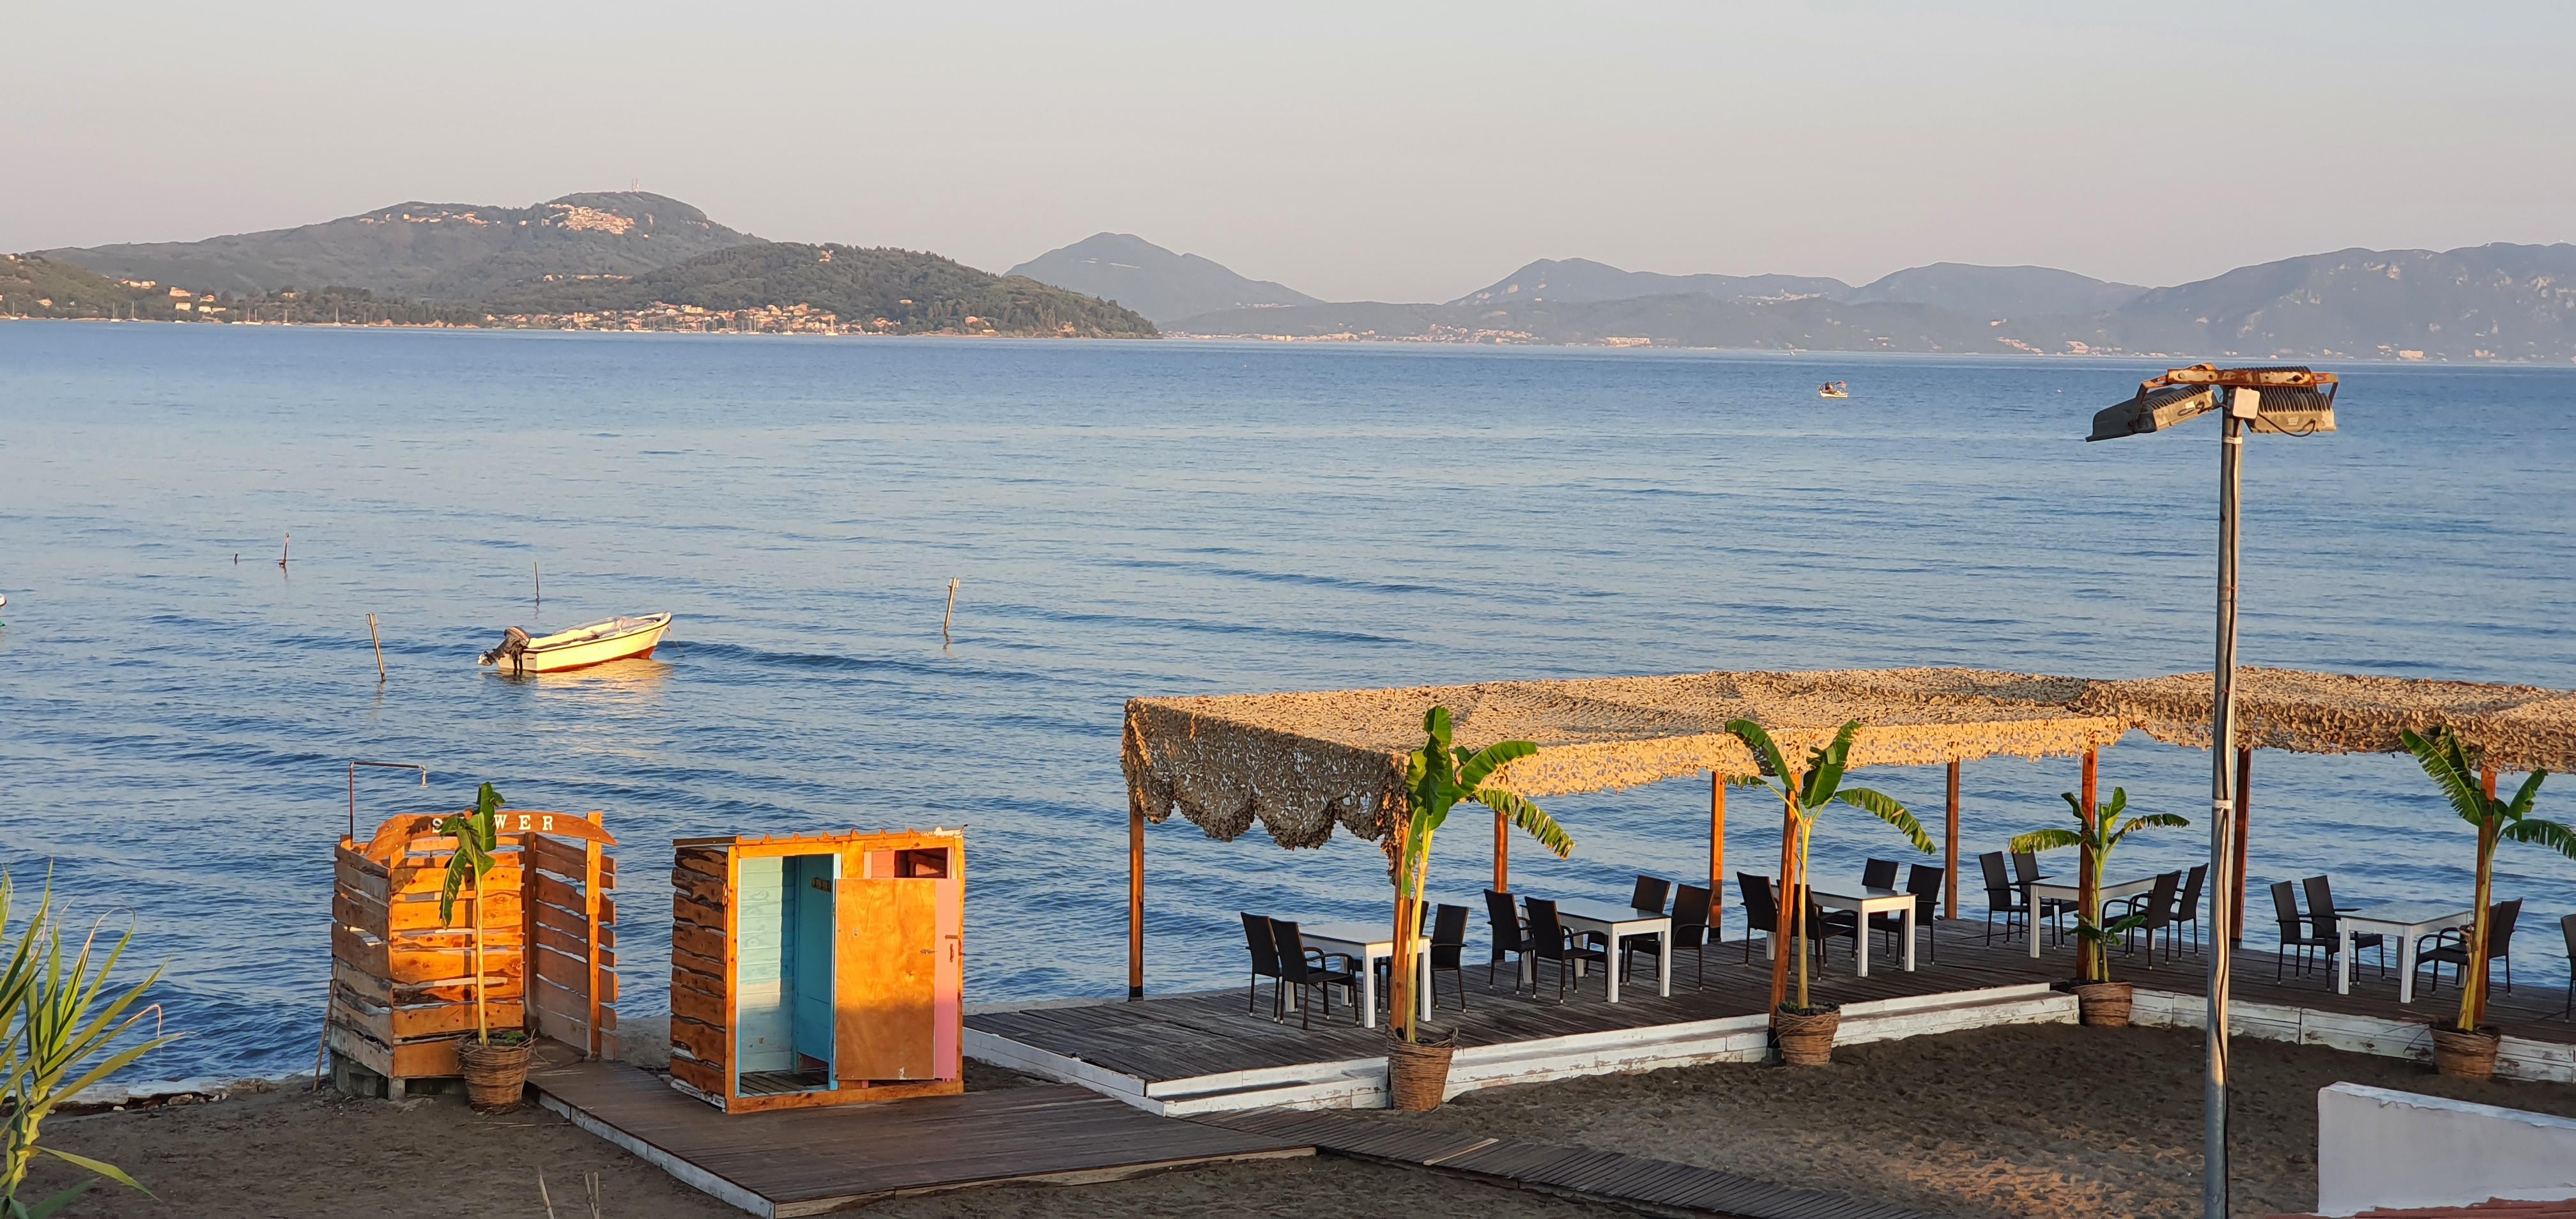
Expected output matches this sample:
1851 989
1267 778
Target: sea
178 711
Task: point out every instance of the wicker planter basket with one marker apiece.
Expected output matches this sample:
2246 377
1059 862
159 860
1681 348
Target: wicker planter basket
2466 1055
2103 1004
1806 1038
1417 1072
496 1075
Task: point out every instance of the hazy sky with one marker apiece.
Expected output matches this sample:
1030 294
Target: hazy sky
1385 150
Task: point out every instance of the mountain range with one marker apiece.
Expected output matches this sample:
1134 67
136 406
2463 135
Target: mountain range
2491 302
636 260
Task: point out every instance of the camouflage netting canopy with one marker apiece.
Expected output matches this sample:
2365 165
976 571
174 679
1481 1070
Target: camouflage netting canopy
2521 728
1301 763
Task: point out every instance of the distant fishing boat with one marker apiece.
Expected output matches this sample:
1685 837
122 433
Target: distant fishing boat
591 643
1832 389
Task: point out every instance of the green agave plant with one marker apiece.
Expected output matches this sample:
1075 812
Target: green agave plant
2454 767
2097 836
59 1015
1803 794
1438 778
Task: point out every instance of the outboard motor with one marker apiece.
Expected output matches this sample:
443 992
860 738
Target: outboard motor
514 642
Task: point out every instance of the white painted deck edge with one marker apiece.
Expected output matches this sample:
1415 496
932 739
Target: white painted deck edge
2519 1057
1029 1060
681 1170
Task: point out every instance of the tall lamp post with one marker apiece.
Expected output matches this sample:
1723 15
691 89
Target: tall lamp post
2284 401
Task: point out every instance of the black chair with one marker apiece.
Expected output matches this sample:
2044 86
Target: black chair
1511 935
2294 930
1878 874
1448 950
2567 928
2452 947
1552 942
2186 908
1823 925
1924 882
2156 907
1761 913
1691 932
2321 917
1649 897
1264 948
2025 873
2003 897
1317 974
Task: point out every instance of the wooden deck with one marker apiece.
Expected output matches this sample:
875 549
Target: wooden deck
1656 1186
1194 1036
809 1161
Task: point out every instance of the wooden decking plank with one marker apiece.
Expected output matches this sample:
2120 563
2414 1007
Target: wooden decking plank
812 1155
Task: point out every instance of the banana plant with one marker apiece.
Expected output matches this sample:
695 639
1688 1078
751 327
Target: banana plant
2097 835
1803 794
2455 768
477 835
1439 777
59 1016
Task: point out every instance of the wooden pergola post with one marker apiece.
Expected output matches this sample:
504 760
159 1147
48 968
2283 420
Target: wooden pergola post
2087 899
1135 898
1716 845
1502 854
1950 849
2244 823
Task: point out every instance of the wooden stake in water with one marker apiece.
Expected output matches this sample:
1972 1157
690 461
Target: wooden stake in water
373 638
947 614
540 578
282 548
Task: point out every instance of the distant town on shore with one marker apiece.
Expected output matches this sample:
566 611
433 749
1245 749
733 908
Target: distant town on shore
634 261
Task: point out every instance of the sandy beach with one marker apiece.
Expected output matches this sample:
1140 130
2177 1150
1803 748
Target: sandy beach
2023 1122
293 1152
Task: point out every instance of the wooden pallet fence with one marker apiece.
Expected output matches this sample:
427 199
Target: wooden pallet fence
571 928
402 979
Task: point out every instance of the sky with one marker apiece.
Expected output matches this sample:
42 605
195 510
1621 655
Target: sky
1353 151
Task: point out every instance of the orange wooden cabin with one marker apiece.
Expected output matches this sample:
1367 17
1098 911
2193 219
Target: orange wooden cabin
402 982
822 969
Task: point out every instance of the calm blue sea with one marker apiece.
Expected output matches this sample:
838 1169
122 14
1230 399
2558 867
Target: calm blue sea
1139 518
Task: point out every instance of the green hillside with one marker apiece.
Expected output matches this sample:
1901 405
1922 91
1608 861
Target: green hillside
881 289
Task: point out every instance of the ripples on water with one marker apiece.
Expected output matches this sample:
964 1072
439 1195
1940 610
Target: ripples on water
1126 519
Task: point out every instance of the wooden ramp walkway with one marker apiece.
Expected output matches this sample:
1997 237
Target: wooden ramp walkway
1656 1185
810 1161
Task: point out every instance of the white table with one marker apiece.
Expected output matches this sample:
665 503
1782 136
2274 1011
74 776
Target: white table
2042 891
2406 921
1618 923
1370 943
1864 902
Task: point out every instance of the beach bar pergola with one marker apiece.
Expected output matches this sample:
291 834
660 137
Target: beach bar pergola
1300 764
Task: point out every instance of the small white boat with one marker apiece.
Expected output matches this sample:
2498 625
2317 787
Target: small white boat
1832 389
591 643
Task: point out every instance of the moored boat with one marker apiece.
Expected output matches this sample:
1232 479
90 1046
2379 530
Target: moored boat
591 643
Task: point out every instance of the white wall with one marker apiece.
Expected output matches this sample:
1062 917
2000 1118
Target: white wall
2378 1147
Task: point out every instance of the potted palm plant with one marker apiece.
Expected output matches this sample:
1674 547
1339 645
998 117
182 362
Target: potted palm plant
56 1017
1440 776
2466 1045
2098 999
495 1065
1806 1030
